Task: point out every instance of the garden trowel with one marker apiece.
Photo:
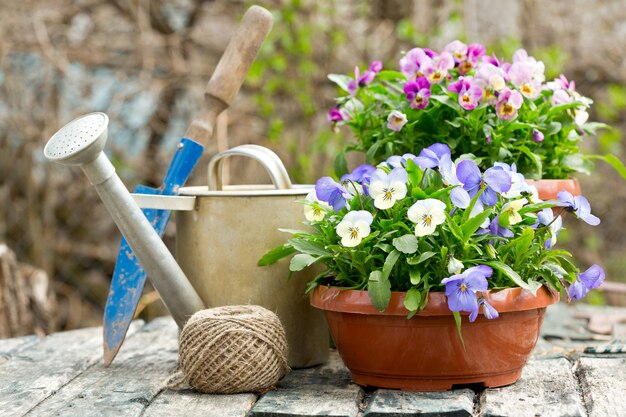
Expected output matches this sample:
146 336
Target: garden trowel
129 277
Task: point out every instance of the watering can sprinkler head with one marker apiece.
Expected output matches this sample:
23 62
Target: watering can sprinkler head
80 141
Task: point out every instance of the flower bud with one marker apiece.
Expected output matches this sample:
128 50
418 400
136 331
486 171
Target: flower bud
491 251
454 266
537 136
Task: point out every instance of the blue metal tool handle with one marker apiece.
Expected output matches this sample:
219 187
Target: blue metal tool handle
129 277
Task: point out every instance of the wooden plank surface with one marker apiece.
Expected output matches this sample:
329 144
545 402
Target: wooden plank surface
392 403
548 387
323 391
193 404
11 347
140 371
603 381
34 374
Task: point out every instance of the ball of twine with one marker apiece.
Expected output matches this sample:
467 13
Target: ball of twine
233 349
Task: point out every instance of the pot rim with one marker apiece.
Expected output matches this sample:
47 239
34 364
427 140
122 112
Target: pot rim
358 301
252 190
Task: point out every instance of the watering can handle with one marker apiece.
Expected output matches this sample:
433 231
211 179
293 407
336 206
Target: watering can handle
267 158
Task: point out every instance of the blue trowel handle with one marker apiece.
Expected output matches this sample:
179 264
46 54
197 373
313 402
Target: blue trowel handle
183 162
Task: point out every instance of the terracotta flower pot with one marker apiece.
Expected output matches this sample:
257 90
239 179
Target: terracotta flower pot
425 353
548 189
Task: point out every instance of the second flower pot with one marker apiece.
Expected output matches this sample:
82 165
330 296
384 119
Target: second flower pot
425 353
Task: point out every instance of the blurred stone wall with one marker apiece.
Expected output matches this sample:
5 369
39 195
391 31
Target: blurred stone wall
146 63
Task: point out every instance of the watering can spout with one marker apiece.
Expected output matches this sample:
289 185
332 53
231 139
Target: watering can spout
81 143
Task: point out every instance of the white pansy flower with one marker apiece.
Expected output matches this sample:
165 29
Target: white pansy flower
386 189
427 215
354 227
315 210
455 266
395 120
512 209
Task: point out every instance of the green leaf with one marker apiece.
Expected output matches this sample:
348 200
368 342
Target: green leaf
457 320
534 158
412 299
406 244
379 290
370 155
391 260
613 161
341 164
386 75
553 128
341 80
306 246
454 227
276 254
524 242
446 101
531 286
471 226
424 256
301 261
579 163
414 173
415 276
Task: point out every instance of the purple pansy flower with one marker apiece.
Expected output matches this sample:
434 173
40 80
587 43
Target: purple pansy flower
585 282
579 205
430 157
546 217
397 161
494 181
496 230
331 192
367 77
509 101
469 92
461 289
418 92
360 175
488 310
335 115
459 197
537 136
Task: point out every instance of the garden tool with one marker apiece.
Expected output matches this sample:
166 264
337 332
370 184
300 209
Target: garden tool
81 142
129 276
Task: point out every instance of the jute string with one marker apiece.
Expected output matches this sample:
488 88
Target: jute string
233 349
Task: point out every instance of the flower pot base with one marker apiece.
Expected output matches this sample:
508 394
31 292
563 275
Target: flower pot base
431 384
425 353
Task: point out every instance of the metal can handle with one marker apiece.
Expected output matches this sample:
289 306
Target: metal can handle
266 157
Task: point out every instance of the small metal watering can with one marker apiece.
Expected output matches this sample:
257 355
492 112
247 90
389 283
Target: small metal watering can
223 230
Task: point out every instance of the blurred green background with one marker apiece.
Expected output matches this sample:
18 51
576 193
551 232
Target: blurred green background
145 63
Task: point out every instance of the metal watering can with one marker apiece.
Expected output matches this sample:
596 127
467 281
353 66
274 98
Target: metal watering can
219 240
223 230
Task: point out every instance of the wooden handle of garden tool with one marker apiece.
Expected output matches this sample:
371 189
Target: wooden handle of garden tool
231 71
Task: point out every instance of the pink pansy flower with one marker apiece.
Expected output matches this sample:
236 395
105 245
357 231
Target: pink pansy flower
458 50
411 63
418 92
469 92
437 69
509 101
361 80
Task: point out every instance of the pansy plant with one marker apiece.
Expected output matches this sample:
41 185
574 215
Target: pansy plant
430 223
483 107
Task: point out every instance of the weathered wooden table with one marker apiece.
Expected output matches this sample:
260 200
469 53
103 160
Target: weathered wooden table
63 375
